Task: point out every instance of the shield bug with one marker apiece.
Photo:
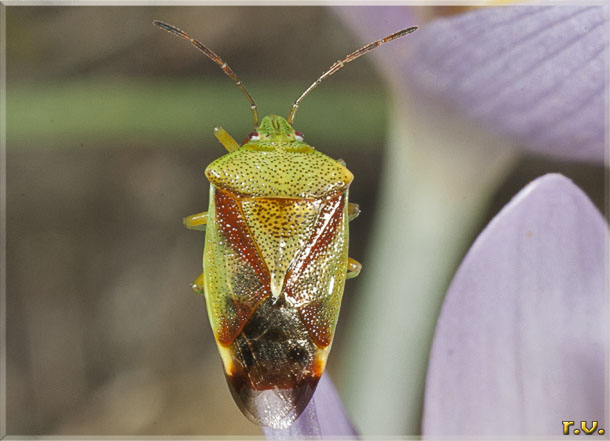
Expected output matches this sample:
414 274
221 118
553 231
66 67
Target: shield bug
275 258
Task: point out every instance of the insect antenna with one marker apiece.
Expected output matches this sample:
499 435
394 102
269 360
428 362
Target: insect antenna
340 63
216 59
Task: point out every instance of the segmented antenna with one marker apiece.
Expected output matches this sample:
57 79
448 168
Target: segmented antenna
340 63
216 59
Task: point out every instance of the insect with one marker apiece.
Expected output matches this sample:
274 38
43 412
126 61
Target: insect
275 257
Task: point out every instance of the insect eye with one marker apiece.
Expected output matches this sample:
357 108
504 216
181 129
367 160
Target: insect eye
299 135
254 136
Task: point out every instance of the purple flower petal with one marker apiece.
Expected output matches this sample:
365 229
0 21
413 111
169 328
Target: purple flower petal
324 416
521 341
536 74
371 23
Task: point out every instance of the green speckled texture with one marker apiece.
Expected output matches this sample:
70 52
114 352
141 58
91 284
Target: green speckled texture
278 165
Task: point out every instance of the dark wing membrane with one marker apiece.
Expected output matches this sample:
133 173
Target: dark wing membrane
314 283
236 277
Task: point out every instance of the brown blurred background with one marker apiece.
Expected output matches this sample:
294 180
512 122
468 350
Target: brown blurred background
109 129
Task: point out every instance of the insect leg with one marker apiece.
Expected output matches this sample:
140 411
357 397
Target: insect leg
196 221
353 268
197 284
353 210
225 139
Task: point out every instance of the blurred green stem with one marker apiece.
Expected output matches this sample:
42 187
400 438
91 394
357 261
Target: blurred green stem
153 112
439 174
